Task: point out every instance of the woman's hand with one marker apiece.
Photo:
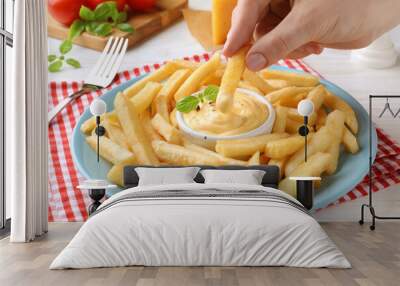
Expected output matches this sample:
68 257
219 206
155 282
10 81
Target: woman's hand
297 28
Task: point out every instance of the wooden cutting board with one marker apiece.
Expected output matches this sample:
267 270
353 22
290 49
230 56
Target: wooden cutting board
146 25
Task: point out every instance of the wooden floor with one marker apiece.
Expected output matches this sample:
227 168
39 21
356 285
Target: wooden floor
375 257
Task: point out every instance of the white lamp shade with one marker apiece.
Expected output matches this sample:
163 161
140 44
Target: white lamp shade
98 107
305 107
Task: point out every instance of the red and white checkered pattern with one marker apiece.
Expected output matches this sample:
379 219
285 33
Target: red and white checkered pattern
67 203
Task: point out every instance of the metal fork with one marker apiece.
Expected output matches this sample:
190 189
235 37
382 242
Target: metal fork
101 75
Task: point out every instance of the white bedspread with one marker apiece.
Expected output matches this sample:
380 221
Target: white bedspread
183 231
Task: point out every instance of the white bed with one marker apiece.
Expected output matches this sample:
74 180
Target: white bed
224 225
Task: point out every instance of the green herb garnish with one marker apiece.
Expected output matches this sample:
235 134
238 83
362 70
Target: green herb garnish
190 103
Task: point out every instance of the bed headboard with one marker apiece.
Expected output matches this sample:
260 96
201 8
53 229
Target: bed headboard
270 179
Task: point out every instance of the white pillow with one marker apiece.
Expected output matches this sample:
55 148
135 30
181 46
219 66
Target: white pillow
247 177
166 176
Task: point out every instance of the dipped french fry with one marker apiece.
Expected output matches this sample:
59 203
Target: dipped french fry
110 150
149 130
207 152
157 76
246 147
280 119
284 147
192 83
335 102
279 163
134 131
335 124
166 130
230 80
350 141
143 99
320 142
178 155
317 95
286 93
255 159
295 79
315 166
116 173
257 81
116 134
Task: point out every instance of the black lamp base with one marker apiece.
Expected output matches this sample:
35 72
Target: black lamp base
96 195
305 193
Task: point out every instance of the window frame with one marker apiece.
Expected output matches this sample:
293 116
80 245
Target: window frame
6 39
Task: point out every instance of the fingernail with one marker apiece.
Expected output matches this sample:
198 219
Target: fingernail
256 61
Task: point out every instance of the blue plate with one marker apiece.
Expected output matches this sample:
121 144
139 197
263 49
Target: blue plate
352 168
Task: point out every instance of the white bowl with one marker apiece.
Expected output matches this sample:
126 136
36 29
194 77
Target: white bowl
210 140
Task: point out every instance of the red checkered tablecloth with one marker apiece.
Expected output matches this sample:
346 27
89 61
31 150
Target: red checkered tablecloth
67 203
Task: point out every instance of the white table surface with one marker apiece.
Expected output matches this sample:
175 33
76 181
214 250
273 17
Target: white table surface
334 65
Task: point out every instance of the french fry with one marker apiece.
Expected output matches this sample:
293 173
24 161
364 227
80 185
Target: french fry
280 163
214 78
292 126
321 118
257 81
280 119
161 103
246 147
88 126
134 131
143 99
207 152
192 83
116 173
277 83
149 130
317 95
157 76
320 142
286 93
166 130
230 80
184 64
249 86
284 147
110 150
350 141
172 118
316 165
178 155
292 101
116 134
255 159
294 115
335 102
335 124
295 79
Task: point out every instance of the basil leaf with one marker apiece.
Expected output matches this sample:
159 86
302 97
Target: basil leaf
65 47
105 11
125 27
74 63
86 14
121 17
187 104
211 92
103 29
55 66
51 58
76 29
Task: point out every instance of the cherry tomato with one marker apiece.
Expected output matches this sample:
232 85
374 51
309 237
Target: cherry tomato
92 4
141 5
65 11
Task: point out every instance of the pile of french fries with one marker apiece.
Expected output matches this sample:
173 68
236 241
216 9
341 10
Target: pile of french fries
143 129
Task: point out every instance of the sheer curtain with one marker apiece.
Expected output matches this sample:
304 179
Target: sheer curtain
26 131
